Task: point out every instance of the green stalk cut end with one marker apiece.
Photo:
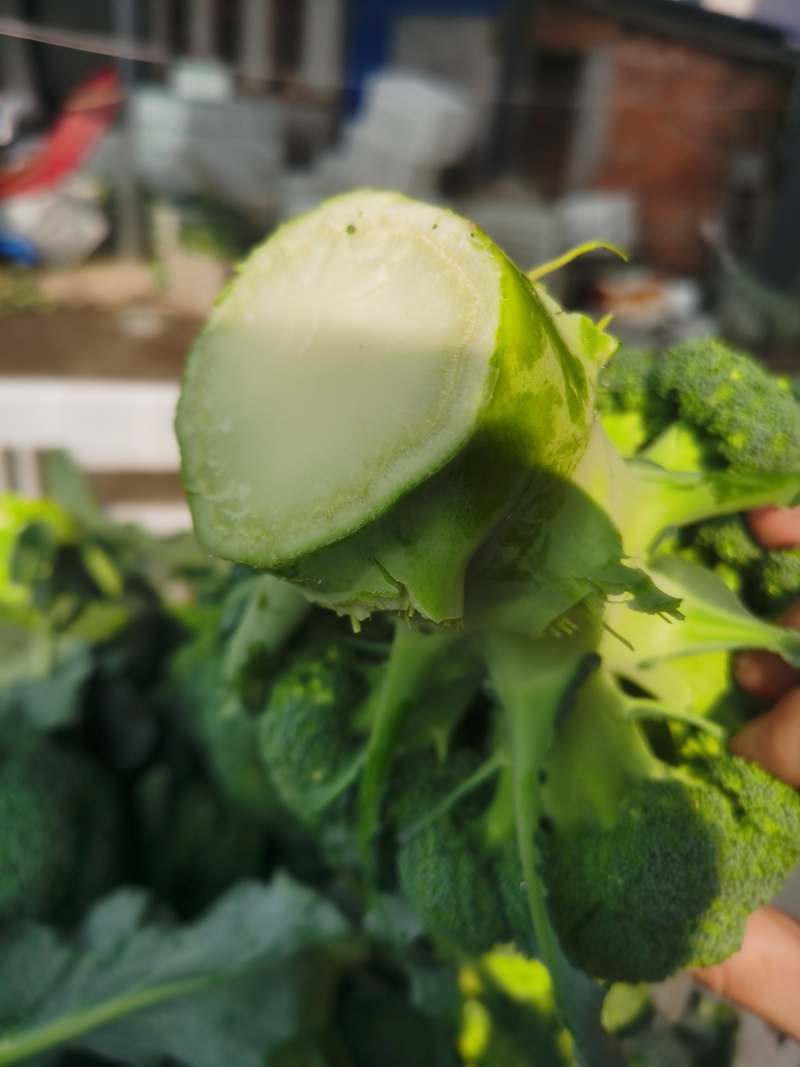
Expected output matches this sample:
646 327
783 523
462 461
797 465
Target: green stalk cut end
348 362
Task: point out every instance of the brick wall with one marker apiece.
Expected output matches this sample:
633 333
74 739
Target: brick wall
677 115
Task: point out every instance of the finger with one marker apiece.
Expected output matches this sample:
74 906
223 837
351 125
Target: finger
773 740
764 674
764 976
775 527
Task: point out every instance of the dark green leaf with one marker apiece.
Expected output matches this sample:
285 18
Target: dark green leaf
203 994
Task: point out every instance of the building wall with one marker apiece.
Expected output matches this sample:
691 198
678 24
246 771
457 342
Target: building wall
676 121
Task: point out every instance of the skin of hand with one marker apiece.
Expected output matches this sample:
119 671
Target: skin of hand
764 976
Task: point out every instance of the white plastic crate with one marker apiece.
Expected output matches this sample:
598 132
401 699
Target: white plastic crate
604 216
106 426
417 118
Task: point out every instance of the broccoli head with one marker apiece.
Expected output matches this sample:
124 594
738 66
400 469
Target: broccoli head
307 732
60 845
445 870
700 404
632 413
768 580
748 418
778 581
651 867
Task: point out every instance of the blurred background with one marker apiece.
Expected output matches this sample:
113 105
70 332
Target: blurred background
146 145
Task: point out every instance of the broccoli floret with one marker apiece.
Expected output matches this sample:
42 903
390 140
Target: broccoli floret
306 732
728 541
632 413
746 418
767 580
445 870
700 404
644 860
624 382
778 581
488 507
60 845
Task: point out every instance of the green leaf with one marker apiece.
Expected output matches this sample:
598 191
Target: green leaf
204 994
713 620
42 676
580 250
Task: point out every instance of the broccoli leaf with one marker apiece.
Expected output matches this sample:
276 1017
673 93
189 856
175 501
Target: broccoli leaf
203 994
41 676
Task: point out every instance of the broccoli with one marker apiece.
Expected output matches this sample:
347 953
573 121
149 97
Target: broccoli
632 413
306 731
701 404
426 444
445 869
768 580
746 418
644 861
778 581
61 843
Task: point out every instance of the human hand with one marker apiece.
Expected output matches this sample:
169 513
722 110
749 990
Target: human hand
764 976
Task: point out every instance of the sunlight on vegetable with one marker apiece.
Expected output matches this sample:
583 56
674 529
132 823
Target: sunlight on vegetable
384 411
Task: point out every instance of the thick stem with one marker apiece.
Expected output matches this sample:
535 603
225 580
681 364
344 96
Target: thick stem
534 679
598 751
643 499
413 658
660 499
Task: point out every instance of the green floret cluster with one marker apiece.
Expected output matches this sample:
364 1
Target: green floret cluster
633 413
60 818
664 860
444 868
306 729
748 418
700 403
768 580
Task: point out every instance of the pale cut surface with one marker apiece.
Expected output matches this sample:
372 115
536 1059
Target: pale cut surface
349 361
